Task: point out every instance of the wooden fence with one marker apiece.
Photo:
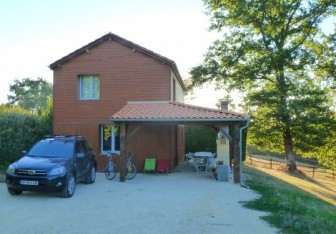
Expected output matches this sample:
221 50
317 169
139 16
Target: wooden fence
312 171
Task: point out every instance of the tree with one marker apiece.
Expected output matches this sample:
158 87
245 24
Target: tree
47 118
200 138
271 52
19 130
30 94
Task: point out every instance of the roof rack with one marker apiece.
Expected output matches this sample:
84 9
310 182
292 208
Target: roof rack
60 136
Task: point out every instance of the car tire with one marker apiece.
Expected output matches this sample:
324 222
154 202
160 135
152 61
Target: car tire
91 176
70 186
14 192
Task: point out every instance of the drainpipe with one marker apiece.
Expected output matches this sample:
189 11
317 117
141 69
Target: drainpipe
241 153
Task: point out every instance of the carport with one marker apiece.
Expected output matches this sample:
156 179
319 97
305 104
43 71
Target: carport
175 113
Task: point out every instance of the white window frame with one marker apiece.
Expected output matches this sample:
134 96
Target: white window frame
113 144
91 95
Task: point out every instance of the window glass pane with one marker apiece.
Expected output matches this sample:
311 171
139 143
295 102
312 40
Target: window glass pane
53 149
85 87
95 87
79 147
110 138
106 135
89 87
116 138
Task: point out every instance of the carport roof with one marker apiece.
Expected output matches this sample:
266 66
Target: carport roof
168 111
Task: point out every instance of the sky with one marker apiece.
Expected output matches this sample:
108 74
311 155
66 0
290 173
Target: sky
35 33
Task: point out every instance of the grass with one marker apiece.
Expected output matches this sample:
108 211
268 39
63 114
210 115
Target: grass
293 202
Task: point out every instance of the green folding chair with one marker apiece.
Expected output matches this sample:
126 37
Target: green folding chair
150 164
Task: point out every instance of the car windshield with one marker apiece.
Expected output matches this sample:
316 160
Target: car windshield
52 149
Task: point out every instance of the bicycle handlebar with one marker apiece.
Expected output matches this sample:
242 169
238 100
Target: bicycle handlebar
129 155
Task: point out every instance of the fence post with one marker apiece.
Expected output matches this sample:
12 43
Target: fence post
251 159
313 171
271 163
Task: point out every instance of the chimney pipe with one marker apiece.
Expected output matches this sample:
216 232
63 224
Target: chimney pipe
225 105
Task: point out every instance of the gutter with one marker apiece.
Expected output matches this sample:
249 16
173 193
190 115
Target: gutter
177 120
241 154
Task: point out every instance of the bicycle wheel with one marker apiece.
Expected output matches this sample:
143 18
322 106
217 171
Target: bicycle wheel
131 171
110 171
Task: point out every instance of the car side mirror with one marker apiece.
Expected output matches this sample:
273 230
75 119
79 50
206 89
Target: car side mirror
80 155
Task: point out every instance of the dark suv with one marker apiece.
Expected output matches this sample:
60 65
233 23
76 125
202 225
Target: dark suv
55 163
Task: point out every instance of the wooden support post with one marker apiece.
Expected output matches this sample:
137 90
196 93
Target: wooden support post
271 163
236 154
122 152
313 172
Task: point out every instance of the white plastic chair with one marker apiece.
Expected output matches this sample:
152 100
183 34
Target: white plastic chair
200 162
189 156
211 164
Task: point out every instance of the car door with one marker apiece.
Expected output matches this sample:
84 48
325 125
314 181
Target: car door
88 156
80 159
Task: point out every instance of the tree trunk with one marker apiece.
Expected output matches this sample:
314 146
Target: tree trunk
285 118
289 153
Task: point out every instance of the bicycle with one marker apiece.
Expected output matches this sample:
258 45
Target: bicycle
111 167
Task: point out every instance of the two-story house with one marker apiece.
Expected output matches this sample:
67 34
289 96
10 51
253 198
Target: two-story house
112 87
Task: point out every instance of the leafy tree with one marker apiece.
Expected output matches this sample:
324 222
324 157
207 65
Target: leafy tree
46 117
200 138
30 94
272 52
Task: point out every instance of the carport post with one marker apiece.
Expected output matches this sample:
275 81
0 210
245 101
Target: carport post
236 153
122 151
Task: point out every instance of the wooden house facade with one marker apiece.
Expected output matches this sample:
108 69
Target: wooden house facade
125 98
97 80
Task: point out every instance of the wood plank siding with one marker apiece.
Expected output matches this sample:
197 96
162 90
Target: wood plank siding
126 74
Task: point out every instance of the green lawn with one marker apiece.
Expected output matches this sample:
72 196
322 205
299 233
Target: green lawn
292 209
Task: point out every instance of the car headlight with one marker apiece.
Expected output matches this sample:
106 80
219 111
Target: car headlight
57 171
11 169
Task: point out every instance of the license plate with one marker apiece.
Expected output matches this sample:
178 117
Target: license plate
28 182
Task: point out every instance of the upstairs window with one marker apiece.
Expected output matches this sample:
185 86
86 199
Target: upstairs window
89 87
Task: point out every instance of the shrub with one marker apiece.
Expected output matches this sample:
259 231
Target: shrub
19 130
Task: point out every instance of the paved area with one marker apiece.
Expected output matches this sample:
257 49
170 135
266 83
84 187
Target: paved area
180 202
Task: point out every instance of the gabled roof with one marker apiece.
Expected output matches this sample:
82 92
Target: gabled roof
111 36
168 111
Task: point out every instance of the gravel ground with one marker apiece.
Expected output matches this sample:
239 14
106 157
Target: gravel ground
180 202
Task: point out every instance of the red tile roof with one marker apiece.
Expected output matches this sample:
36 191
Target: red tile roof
173 111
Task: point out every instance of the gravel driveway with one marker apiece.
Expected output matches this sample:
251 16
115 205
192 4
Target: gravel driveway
181 202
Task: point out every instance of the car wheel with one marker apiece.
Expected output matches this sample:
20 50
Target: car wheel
91 177
70 186
14 192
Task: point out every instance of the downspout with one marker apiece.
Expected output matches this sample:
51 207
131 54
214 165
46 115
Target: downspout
241 153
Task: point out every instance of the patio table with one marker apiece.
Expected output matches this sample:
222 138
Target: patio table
201 159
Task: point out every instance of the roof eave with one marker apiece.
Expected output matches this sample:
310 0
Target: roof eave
180 120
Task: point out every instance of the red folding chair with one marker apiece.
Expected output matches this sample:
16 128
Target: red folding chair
162 166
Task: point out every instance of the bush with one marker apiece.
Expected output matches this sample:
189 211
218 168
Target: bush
203 138
19 130
200 138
